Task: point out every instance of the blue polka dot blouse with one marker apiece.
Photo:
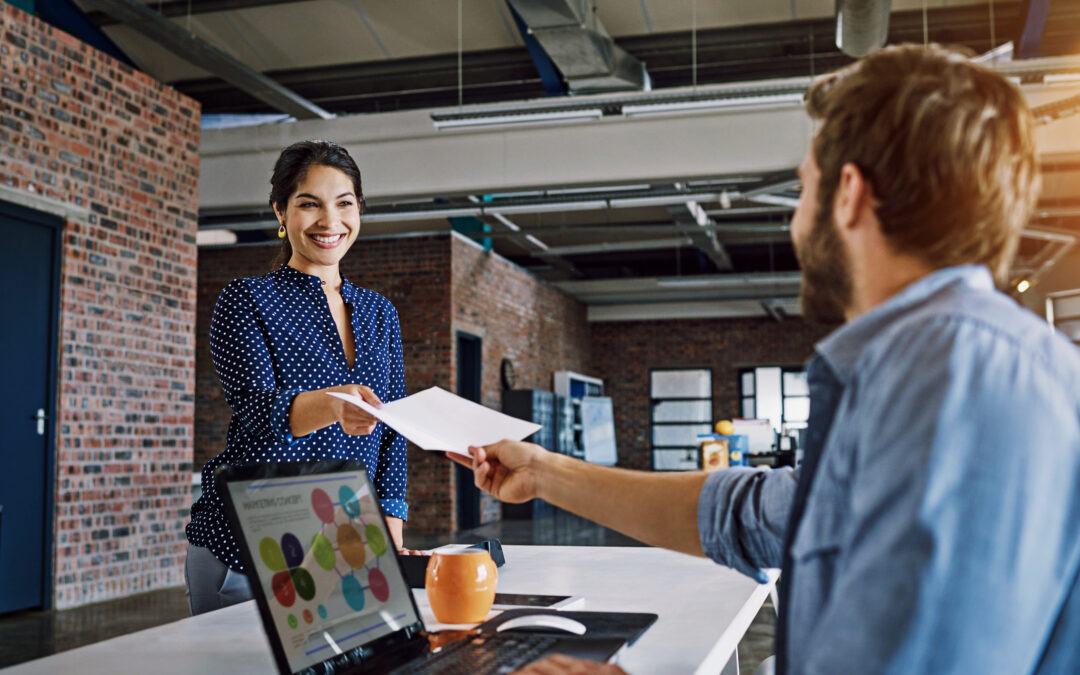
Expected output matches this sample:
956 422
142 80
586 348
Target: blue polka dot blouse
273 337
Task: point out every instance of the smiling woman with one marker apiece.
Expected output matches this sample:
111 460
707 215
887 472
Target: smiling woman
281 342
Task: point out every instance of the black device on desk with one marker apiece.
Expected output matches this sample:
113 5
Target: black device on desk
331 591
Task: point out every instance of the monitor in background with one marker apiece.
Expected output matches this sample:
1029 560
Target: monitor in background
759 432
598 430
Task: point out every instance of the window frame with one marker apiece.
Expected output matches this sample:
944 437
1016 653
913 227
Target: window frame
785 423
654 402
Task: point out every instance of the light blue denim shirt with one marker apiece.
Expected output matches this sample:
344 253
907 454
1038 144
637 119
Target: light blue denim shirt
941 531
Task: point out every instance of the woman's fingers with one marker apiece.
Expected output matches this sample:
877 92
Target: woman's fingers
369 396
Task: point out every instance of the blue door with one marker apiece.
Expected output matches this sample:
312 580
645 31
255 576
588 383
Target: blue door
469 362
29 286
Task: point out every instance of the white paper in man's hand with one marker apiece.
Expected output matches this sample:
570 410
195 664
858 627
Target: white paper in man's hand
435 419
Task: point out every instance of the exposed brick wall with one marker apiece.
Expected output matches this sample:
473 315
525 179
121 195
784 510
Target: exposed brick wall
624 353
539 328
79 127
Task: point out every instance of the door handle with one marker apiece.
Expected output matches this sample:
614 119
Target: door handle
40 417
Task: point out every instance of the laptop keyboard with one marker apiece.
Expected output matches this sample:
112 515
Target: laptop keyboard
485 654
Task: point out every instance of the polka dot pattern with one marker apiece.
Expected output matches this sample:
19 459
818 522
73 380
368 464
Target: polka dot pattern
273 337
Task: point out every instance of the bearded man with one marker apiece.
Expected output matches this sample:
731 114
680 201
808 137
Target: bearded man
934 524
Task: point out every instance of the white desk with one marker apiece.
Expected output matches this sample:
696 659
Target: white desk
704 611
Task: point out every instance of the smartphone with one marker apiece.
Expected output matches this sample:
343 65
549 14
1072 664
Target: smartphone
518 600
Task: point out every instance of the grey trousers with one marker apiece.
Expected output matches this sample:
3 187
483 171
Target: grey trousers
210 583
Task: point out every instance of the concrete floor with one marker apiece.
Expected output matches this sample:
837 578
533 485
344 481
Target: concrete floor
33 634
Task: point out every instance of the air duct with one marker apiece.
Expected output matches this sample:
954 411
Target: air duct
861 25
577 43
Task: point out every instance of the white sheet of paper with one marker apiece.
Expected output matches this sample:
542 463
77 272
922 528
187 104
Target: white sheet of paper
435 419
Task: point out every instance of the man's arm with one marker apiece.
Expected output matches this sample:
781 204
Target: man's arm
658 509
739 514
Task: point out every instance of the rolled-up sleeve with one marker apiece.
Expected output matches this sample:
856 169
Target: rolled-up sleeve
742 516
242 360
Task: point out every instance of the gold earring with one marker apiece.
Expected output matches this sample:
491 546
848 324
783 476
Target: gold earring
281 230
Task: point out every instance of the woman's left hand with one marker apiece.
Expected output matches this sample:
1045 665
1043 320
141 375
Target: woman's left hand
353 420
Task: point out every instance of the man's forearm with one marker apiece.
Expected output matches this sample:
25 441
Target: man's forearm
660 509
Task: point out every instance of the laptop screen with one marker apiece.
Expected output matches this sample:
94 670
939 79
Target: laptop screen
324 560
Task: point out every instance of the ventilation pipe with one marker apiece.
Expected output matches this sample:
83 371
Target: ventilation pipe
581 49
861 25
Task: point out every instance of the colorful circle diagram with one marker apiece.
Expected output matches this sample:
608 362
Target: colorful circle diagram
345 546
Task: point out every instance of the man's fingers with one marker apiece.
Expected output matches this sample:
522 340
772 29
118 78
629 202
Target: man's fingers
464 461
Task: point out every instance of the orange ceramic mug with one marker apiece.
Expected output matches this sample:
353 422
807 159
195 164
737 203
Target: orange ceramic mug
461 585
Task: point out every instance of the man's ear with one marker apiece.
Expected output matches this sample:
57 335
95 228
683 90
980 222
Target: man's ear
853 194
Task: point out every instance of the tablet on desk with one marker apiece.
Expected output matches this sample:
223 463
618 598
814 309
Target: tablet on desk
519 600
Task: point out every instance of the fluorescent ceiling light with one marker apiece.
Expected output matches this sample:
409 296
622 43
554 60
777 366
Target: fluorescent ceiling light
1062 78
215 238
421 214
775 200
648 109
662 200
605 188
550 117
733 280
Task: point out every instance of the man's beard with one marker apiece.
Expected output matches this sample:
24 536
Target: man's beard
826 292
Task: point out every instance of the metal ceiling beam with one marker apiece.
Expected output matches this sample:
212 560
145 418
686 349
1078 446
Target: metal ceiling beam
744 228
694 218
755 286
531 244
1032 24
612 247
738 53
201 53
186 7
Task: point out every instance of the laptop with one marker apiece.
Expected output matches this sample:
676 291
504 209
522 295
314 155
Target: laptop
331 592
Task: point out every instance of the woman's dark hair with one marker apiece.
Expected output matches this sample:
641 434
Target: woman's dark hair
291 167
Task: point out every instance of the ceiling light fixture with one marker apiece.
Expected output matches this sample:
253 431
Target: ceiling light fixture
733 102
732 280
443 122
1061 78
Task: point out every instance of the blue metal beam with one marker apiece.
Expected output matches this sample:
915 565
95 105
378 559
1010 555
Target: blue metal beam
66 15
549 74
1032 22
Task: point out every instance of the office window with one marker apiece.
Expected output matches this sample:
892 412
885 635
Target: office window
775 393
681 409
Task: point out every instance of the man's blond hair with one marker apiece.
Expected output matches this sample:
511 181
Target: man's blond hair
946 144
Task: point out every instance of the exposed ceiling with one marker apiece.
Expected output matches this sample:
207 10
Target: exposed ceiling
715 241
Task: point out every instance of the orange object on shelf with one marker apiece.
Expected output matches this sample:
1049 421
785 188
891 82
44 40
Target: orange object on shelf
714 454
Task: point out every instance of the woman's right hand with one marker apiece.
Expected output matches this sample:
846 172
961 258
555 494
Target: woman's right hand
353 420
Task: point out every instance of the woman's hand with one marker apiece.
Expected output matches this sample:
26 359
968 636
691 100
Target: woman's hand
352 419
395 525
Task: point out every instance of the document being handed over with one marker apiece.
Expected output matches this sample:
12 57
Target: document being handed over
435 419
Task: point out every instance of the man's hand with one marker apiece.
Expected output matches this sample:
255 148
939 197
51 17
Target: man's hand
559 664
352 419
506 470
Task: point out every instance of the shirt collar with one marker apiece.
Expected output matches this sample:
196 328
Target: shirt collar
348 291
842 348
